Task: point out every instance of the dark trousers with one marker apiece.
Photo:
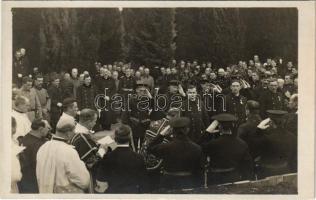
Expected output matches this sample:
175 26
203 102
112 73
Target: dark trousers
106 119
54 117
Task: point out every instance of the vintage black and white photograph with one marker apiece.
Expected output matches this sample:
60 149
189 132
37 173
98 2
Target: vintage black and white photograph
155 100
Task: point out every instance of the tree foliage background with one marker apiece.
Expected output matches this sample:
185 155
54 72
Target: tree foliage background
61 38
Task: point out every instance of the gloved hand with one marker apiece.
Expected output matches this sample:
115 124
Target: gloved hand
212 127
264 124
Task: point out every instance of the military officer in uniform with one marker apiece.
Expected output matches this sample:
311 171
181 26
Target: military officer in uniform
182 158
137 114
279 147
230 159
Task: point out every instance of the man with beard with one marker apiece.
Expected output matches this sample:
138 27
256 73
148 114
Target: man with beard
194 109
42 96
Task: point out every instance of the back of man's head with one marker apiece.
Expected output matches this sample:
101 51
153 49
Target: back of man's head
122 134
64 127
253 106
20 100
37 123
86 115
68 103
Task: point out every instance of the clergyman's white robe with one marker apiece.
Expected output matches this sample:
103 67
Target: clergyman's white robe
23 124
59 169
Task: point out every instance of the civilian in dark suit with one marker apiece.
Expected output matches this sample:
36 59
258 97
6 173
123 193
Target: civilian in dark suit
121 170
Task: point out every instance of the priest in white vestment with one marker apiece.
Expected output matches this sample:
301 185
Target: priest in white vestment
59 168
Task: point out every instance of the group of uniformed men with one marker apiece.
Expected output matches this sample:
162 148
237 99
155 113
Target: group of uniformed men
182 126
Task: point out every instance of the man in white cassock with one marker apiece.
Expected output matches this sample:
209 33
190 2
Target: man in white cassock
20 108
59 168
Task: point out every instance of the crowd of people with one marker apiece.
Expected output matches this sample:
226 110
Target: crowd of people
185 125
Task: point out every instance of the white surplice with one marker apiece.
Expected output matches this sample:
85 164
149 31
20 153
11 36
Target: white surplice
23 124
66 117
59 167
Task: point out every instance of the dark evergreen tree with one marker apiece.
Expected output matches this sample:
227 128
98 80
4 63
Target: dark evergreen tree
209 34
149 35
